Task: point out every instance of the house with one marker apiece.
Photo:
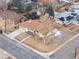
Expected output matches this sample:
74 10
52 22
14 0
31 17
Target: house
3 4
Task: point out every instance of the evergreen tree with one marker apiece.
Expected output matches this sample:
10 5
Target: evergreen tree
77 17
28 8
17 3
21 7
50 10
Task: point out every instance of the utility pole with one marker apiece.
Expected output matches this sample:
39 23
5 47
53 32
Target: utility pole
76 51
5 23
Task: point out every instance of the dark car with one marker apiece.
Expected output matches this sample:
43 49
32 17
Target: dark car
32 15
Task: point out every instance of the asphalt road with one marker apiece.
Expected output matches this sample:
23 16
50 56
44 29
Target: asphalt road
17 50
68 51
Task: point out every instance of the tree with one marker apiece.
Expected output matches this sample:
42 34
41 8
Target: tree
28 8
50 10
77 17
21 6
17 4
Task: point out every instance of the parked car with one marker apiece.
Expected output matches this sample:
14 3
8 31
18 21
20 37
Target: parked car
32 15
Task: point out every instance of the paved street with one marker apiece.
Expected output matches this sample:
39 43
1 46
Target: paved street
68 51
17 50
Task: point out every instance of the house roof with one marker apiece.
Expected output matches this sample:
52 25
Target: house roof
36 25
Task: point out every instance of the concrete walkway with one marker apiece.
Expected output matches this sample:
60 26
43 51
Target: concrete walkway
17 32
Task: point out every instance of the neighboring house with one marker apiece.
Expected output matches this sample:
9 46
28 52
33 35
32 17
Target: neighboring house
3 4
